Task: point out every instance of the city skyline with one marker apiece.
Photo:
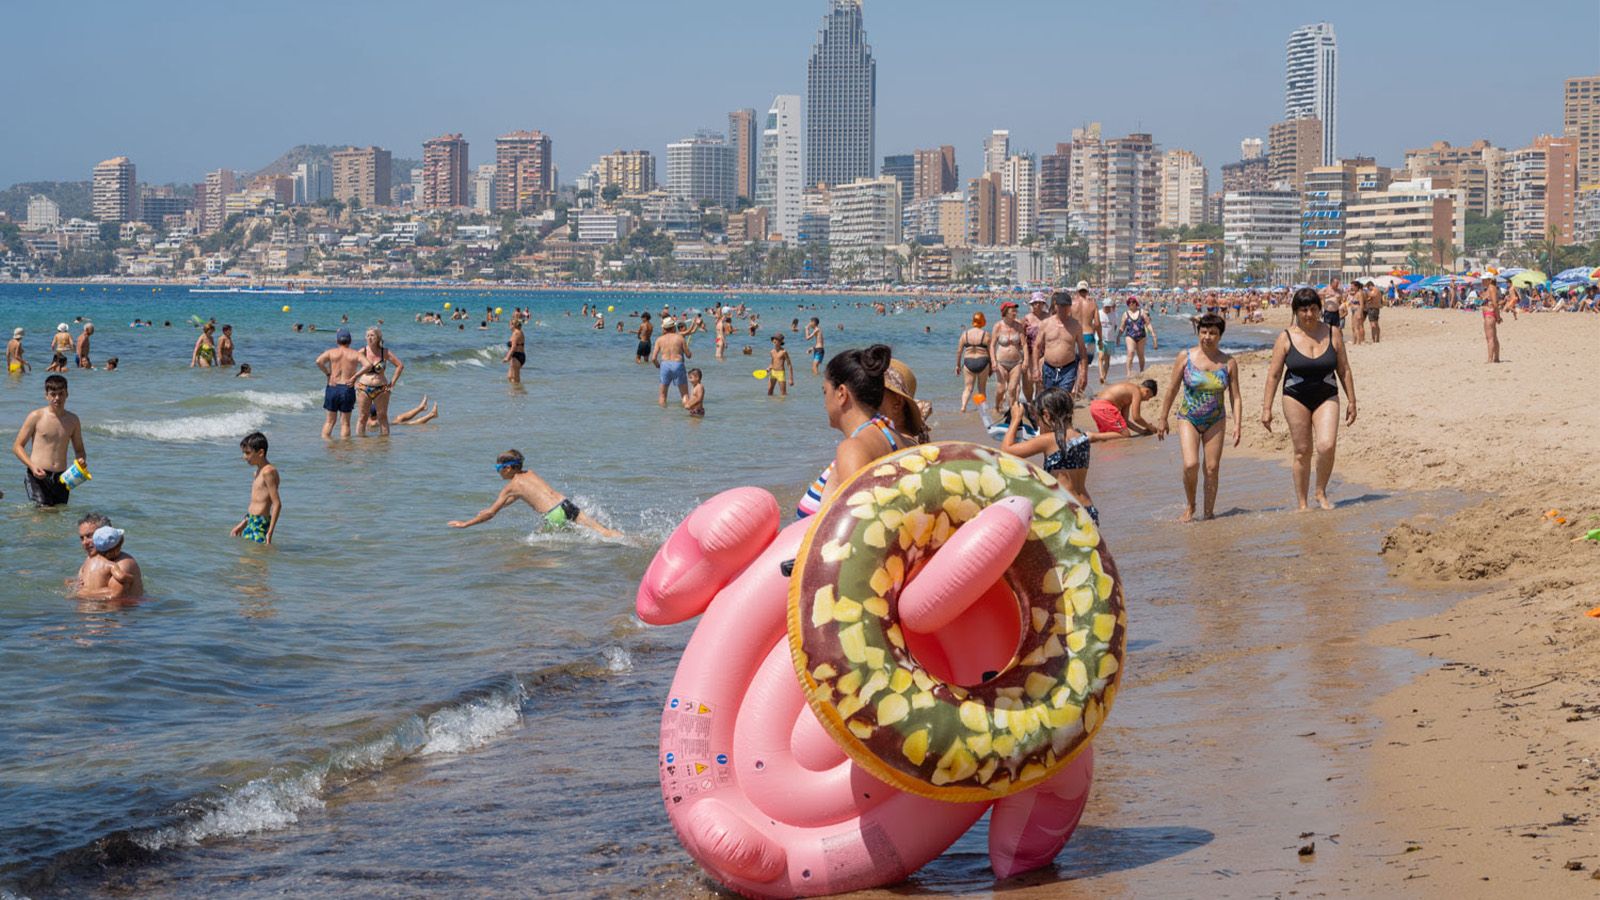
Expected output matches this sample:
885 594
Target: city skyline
1386 87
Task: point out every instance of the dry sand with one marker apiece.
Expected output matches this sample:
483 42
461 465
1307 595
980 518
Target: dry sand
1488 765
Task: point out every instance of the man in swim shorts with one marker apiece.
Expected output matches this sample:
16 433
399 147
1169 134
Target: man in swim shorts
1088 316
1059 349
50 429
266 507
339 364
669 356
82 348
646 328
1117 404
558 511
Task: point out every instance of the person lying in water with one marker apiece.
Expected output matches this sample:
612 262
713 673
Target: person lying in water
413 416
558 511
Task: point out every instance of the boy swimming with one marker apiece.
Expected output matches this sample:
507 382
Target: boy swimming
558 511
261 516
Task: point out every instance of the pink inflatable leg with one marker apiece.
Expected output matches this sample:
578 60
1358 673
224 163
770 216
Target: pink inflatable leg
705 552
1027 830
974 558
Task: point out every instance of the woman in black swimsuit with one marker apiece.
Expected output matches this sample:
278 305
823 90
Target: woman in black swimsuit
1310 358
972 359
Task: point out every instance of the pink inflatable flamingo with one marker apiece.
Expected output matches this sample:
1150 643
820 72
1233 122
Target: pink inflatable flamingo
760 793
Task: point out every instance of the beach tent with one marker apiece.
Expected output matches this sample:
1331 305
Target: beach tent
1528 278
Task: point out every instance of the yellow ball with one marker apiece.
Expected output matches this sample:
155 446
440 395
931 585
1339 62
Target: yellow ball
286 308
447 304
498 310
611 309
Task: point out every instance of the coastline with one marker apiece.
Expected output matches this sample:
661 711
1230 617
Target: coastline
318 285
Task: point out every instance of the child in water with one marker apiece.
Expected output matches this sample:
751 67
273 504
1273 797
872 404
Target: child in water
780 371
1066 449
558 511
695 400
261 516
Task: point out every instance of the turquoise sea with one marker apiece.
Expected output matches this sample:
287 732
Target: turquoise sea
375 656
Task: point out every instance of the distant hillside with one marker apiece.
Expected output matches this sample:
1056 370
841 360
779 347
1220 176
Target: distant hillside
400 169
72 196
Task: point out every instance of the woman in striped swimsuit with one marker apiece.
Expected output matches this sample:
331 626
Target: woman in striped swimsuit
852 391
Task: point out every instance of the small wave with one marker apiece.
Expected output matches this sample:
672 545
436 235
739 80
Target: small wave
474 723
618 660
189 428
275 400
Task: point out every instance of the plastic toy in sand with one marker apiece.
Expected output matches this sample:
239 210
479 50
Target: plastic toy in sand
942 640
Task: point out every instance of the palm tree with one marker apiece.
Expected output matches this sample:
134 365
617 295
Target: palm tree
1365 255
1547 249
913 257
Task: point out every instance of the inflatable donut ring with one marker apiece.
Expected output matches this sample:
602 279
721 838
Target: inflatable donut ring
850 626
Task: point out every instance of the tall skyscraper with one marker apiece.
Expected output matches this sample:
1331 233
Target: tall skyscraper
113 191
444 172
1115 195
996 148
742 134
1019 176
1183 190
483 188
634 171
312 182
841 99
902 167
1540 190
213 206
362 174
1311 83
991 212
1055 178
1294 148
524 172
701 168
933 172
1581 121
780 171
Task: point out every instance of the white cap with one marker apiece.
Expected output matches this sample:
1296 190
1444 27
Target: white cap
16 332
669 322
63 327
1083 285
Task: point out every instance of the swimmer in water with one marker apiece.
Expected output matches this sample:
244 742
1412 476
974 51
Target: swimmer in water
124 581
558 511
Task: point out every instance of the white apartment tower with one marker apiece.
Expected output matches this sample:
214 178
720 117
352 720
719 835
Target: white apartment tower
1183 190
996 149
701 168
1020 176
115 198
1311 82
780 171
43 212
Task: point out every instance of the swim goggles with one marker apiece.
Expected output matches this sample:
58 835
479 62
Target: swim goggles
501 467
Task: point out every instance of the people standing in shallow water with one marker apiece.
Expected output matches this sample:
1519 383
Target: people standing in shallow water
972 359
373 386
1135 327
261 516
814 333
558 511
852 395
225 347
15 364
1010 357
641 351
124 580
1205 377
339 364
516 352
94 572
205 349
669 356
695 401
82 348
42 442
1310 359
780 368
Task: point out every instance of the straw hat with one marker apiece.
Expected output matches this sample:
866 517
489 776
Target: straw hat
900 380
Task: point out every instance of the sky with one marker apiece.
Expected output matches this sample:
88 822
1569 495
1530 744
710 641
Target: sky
184 87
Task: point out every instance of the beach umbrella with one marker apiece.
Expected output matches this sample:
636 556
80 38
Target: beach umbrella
1387 281
1572 273
1528 278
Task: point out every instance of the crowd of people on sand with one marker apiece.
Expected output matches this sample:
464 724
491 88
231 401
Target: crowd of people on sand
1040 361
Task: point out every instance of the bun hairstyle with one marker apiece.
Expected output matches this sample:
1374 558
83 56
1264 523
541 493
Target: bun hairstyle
979 320
1305 297
862 372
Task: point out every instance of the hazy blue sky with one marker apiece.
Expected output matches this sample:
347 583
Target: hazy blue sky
186 87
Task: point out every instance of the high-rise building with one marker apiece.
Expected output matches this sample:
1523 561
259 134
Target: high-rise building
1324 206
1115 193
213 211
902 167
483 188
634 171
1055 178
1311 83
701 168
743 134
524 172
1249 174
991 212
863 223
1261 230
1541 190
1183 190
934 172
1294 147
841 99
156 210
312 183
444 172
362 175
1474 169
996 148
1251 148
1019 176
1406 222
1580 119
780 170
113 191
43 212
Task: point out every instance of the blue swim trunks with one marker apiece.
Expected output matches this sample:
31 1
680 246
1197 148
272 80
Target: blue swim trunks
339 398
673 372
1064 377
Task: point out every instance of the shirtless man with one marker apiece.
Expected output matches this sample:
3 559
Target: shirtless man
95 571
339 364
669 355
15 364
1038 311
1089 321
1119 404
1059 350
558 511
1371 307
225 347
83 346
51 429
641 353
123 581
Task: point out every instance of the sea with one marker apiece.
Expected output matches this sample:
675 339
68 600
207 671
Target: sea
379 704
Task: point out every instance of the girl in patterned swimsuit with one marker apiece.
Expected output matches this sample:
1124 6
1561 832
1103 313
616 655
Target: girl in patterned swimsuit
1066 449
1202 375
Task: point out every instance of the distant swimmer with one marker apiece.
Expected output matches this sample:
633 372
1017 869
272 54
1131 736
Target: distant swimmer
641 353
83 346
205 349
1117 405
225 347
260 520
51 430
339 365
558 511
516 352
124 581
15 364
